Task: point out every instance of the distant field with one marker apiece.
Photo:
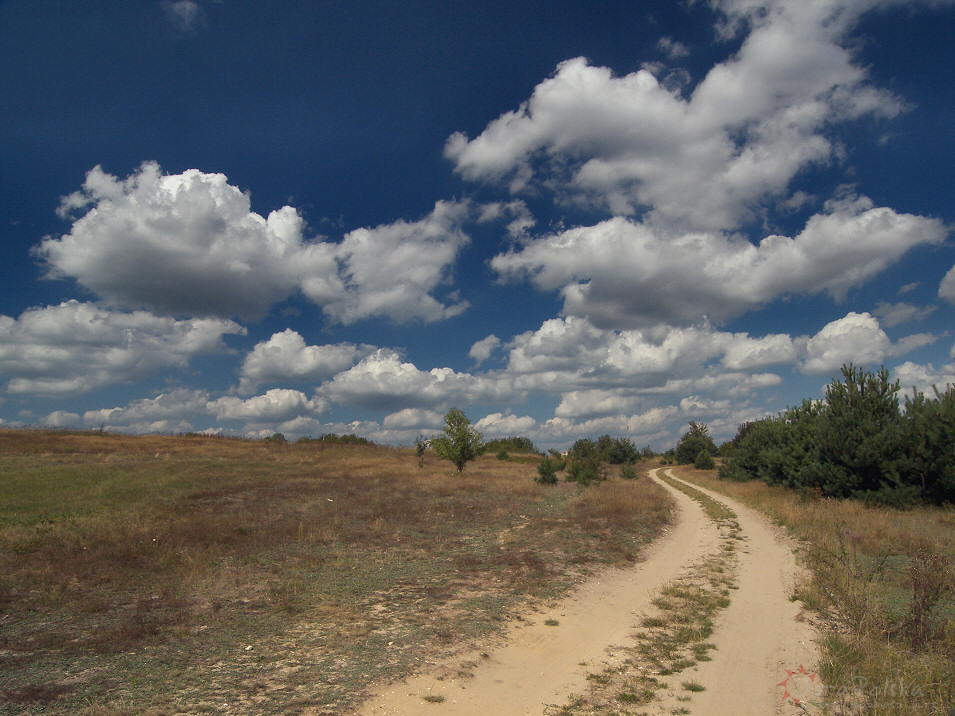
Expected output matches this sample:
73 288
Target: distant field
162 574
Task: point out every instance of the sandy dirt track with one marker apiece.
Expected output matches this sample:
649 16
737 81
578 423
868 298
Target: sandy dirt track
758 637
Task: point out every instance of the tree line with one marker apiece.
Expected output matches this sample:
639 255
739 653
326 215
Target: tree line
858 442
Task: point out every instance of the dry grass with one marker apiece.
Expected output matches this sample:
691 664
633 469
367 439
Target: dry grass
882 582
161 574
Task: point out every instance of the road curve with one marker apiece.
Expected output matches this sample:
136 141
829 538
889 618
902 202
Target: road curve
758 636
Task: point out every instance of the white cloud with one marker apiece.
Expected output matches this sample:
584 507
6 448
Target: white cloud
498 425
413 418
75 347
671 48
174 411
382 381
278 404
923 377
185 15
894 314
61 419
583 354
189 244
286 357
482 350
856 338
392 270
703 163
624 274
946 288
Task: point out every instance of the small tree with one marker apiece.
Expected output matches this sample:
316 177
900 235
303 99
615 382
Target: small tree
460 443
420 447
698 438
546 472
704 461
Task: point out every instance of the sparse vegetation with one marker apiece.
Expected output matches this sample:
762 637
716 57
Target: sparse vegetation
155 574
674 636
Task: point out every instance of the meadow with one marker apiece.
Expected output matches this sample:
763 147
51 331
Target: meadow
162 575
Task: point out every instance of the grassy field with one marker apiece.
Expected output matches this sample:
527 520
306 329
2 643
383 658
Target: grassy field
881 581
209 575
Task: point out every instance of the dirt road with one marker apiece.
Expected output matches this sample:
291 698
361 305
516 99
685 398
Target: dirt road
758 637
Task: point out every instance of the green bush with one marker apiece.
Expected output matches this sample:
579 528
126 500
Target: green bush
546 472
704 461
628 472
857 443
698 438
585 462
502 455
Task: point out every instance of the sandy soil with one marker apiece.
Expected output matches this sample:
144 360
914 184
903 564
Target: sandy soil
760 637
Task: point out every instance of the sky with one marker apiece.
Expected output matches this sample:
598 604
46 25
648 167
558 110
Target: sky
567 219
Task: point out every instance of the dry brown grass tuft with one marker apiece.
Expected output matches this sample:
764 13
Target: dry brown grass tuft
166 573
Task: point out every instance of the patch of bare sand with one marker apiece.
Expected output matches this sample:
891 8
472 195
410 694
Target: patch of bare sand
765 656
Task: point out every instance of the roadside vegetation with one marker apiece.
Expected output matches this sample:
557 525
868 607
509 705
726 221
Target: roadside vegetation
162 575
867 485
880 580
859 442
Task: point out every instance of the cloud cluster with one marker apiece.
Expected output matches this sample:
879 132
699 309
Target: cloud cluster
622 273
286 358
189 244
75 347
703 162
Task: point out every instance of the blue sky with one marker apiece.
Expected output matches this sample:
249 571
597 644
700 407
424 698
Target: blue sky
567 219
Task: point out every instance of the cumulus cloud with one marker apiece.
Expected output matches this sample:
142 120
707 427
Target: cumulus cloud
392 270
498 425
75 347
621 273
413 418
189 244
633 145
276 405
383 381
174 411
61 419
482 350
855 338
286 357
924 377
946 289
582 354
